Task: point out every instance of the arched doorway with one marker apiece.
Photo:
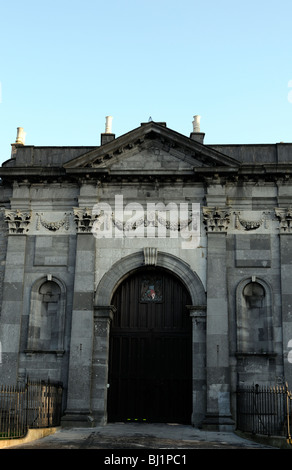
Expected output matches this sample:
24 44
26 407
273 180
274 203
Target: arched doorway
150 355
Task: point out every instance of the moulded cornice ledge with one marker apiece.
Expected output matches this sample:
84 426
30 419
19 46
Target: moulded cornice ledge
216 169
31 171
270 168
86 170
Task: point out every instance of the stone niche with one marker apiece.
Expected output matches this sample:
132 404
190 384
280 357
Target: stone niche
254 317
255 353
47 316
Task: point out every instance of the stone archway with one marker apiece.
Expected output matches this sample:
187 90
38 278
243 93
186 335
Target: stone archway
104 311
111 280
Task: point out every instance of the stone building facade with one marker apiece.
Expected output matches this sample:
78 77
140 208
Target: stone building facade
207 232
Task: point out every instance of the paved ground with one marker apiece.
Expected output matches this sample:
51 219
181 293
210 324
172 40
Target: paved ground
141 436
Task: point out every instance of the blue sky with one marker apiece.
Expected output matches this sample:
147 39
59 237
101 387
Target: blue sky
65 65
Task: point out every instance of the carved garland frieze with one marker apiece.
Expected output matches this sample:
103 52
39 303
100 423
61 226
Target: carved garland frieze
52 226
216 219
88 220
248 224
151 219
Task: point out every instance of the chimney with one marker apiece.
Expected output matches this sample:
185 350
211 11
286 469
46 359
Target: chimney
20 137
107 136
20 140
197 134
108 124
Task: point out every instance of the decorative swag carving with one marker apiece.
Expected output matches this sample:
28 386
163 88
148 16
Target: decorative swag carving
52 226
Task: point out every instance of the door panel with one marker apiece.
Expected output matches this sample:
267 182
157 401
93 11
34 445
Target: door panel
150 367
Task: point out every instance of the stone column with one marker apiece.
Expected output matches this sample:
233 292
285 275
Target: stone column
102 320
198 315
218 416
78 412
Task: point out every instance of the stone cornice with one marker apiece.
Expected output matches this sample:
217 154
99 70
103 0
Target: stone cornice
23 173
211 175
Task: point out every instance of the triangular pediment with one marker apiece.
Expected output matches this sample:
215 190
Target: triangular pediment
150 148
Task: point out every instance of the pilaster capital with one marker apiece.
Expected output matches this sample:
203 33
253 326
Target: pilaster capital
216 219
104 312
17 221
197 312
284 216
84 218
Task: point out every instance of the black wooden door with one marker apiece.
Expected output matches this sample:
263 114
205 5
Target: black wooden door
150 363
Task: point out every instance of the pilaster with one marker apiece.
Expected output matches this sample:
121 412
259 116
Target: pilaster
218 416
285 234
99 387
78 412
198 315
12 307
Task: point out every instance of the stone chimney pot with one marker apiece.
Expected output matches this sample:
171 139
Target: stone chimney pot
20 137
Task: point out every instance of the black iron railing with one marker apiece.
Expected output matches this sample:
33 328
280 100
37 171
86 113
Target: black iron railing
265 410
33 405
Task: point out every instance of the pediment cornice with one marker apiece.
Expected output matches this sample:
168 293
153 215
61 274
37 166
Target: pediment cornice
146 136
